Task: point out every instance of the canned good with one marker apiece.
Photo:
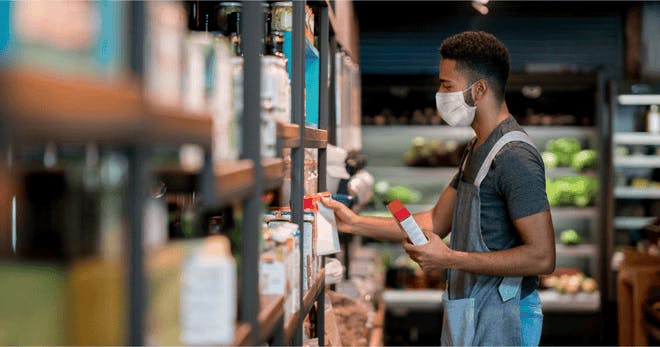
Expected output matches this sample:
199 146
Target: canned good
281 16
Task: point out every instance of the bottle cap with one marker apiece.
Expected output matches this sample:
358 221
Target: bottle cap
397 209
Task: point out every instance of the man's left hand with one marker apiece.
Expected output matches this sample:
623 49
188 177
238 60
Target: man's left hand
432 256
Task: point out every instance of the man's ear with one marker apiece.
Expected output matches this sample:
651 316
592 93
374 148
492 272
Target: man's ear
479 90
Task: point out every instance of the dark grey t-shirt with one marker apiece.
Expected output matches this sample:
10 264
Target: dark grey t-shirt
513 188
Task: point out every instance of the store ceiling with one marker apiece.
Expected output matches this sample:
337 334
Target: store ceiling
393 16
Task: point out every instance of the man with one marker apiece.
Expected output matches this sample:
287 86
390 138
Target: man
496 207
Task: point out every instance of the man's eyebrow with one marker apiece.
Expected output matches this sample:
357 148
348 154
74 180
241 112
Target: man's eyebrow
442 80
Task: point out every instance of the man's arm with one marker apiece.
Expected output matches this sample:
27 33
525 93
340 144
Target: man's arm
437 220
535 256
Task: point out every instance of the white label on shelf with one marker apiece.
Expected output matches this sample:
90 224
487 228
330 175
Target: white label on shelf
208 300
327 241
272 279
307 253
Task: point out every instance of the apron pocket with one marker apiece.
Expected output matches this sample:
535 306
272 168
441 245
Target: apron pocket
458 322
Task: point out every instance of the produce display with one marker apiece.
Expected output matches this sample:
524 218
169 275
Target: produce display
568 152
424 152
570 237
351 318
568 281
386 193
572 191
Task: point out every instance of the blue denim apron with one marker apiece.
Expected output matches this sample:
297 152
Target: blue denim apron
479 309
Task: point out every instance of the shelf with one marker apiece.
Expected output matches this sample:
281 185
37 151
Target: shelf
574 212
583 250
234 180
316 138
636 193
546 132
43 108
421 300
557 172
637 139
639 161
308 300
639 99
553 301
271 314
632 222
289 135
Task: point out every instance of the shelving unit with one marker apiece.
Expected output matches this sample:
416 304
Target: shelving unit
627 112
48 108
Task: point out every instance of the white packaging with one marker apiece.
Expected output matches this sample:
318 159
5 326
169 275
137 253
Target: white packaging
327 238
208 295
226 129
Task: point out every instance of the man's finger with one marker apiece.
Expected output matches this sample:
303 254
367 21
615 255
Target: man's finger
328 202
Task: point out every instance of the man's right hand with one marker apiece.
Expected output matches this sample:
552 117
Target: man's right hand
345 217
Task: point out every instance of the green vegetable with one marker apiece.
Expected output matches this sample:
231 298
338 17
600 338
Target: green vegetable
571 191
585 159
570 237
550 159
405 194
564 149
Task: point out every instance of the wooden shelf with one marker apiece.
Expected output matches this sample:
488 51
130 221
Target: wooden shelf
638 138
42 108
308 300
234 180
289 135
316 138
271 314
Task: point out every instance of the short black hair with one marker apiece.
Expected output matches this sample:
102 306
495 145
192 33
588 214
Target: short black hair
480 54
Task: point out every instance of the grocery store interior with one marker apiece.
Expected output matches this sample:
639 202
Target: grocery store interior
162 166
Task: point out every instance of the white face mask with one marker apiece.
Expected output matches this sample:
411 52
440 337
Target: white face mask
453 108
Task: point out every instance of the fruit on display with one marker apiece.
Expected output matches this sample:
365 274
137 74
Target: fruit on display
571 191
570 237
584 159
424 152
569 282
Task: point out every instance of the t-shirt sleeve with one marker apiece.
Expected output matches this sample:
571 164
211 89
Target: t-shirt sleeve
522 180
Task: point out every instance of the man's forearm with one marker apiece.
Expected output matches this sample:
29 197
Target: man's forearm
523 260
387 228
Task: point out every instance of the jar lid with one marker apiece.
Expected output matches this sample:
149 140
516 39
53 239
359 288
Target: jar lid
231 4
282 4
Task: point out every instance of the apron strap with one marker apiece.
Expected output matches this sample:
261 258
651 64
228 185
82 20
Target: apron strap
512 136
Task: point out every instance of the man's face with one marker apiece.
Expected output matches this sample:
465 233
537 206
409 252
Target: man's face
451 79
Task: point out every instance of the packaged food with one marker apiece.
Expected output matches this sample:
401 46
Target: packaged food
281 16
407 222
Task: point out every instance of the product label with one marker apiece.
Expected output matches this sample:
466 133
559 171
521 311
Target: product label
327 241
208 301
415 234
272 278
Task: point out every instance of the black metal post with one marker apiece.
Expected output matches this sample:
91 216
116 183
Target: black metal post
332 92
298 154
137 193
252 16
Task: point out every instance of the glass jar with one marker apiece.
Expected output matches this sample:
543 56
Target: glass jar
281 16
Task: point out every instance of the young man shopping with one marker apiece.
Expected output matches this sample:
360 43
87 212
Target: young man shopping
495 208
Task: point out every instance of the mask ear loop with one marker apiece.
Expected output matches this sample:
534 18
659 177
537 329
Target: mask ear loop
467 97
